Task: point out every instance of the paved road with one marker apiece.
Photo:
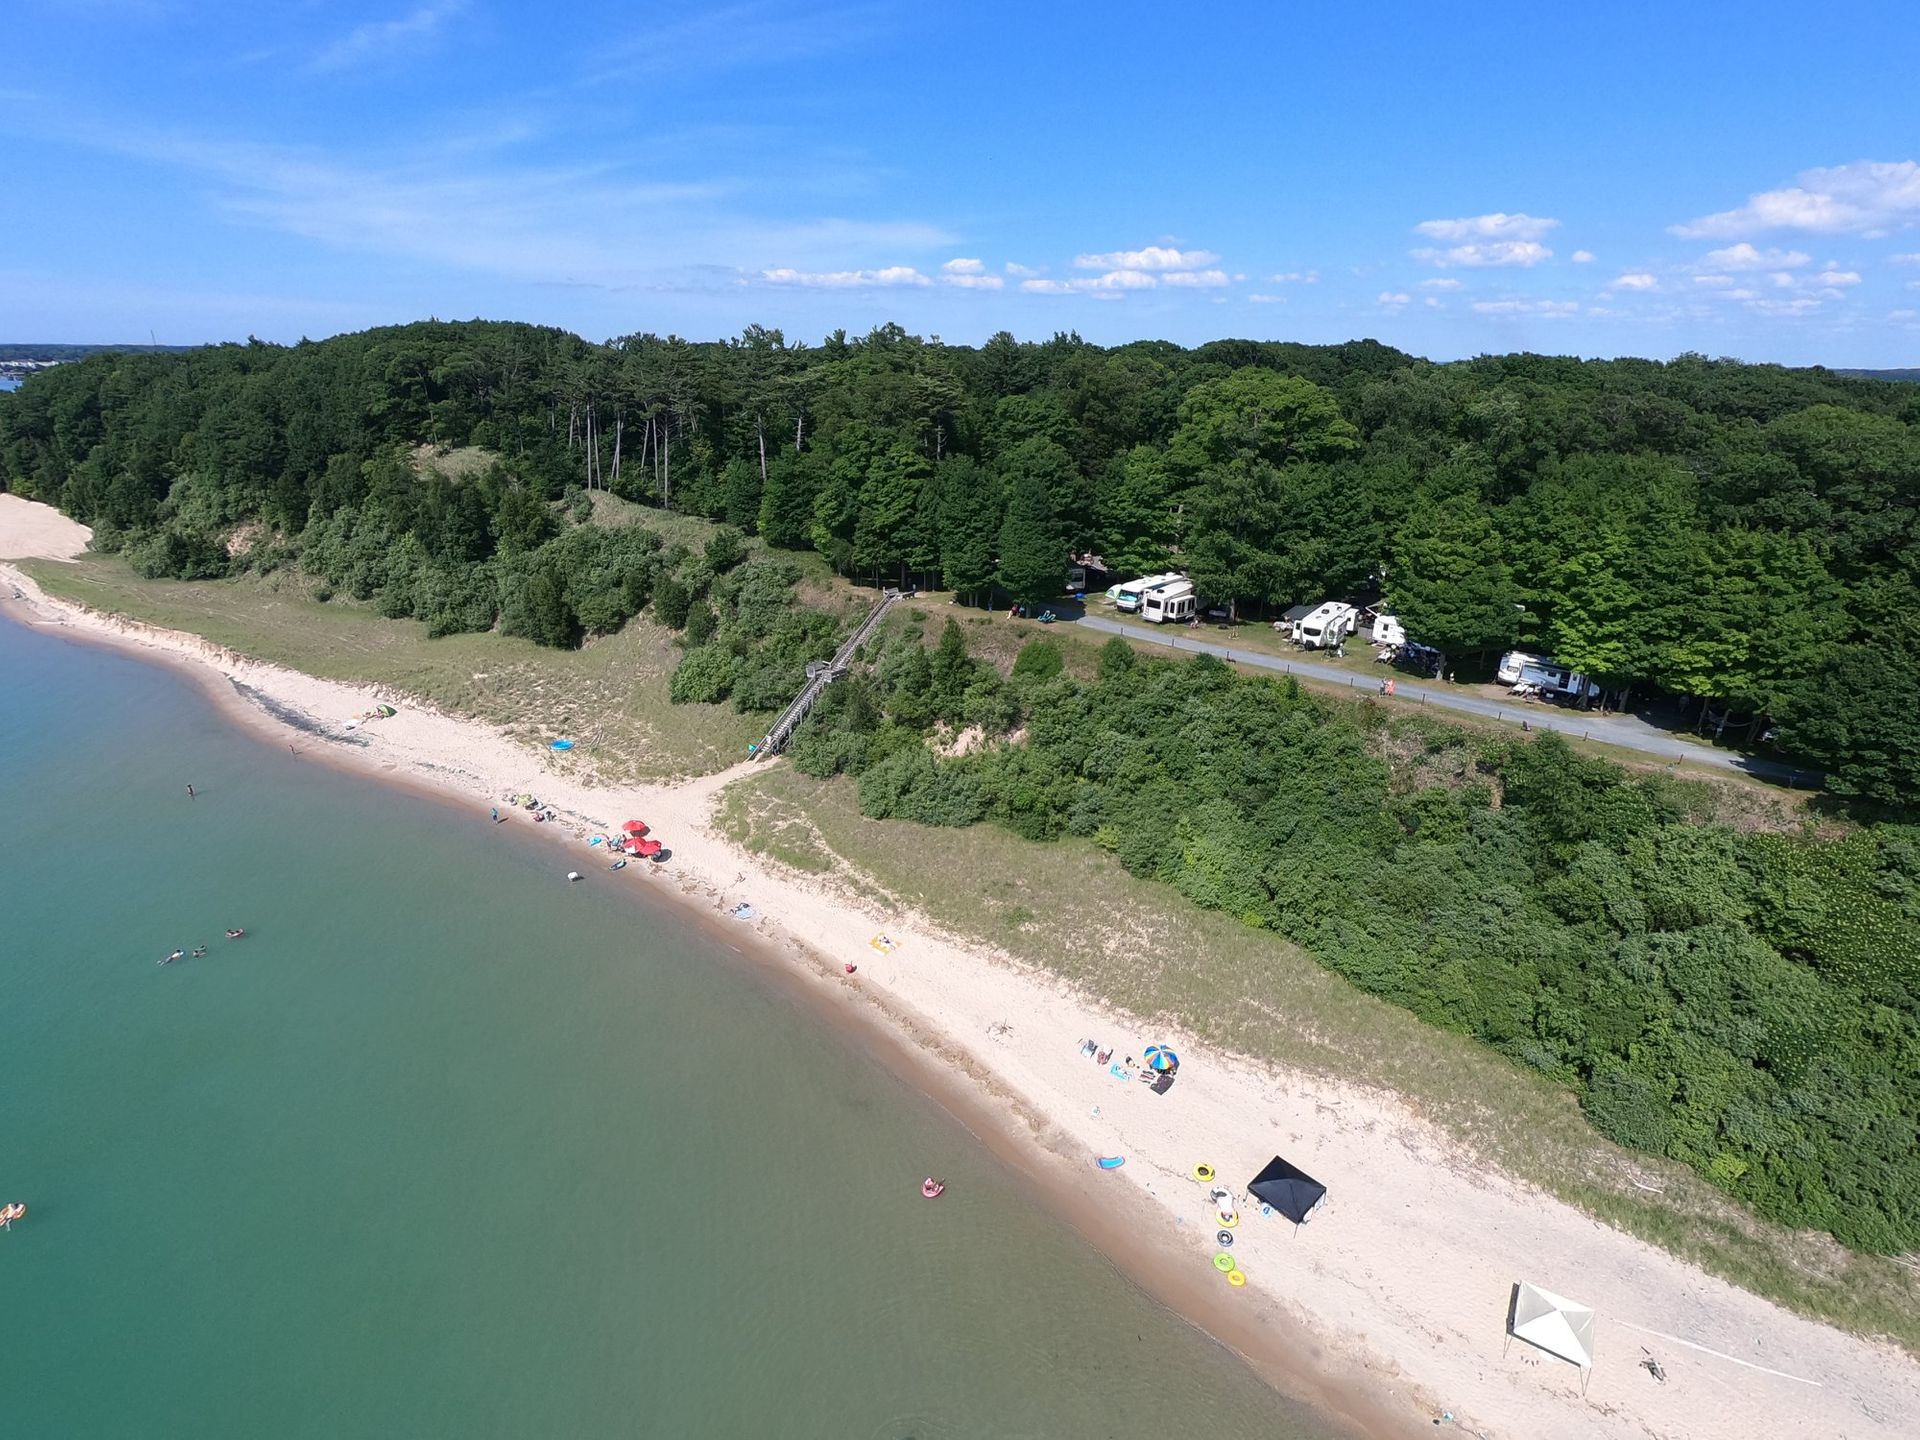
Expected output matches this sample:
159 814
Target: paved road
1627 731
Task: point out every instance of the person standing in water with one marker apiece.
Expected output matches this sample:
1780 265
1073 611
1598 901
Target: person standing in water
189 792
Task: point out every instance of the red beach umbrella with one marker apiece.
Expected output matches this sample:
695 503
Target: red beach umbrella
635 827
647 848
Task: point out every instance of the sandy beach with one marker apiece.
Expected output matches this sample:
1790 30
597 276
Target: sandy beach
1388 1308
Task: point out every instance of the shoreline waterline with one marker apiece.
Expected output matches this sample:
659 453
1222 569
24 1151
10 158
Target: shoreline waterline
1407 1342
1052 1170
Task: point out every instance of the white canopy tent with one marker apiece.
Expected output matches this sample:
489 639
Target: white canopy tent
1555 1324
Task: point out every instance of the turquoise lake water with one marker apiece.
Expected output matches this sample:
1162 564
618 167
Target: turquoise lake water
448 1147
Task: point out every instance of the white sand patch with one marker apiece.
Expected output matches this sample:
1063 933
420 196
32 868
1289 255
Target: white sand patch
32 531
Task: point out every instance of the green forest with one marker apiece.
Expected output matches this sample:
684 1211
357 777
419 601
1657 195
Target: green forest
1740 534
1747 1003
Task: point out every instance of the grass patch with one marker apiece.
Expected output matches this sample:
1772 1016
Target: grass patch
610 696
768 825
1070 909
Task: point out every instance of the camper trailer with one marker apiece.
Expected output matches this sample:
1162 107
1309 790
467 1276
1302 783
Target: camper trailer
1172 601
1129 595
1548 678
1326 626
1387 630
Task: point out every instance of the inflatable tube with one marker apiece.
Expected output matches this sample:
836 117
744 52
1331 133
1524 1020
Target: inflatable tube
1223 1262
1225 1237
931 1189
1203 1173
1227 1222
1236 1278
1112 1162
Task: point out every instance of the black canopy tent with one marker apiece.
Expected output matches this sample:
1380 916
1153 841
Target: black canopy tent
1287 1188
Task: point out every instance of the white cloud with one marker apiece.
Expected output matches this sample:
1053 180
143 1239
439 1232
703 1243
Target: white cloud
1526 307
1782 278
1113 283
380 39
1739 294
1497 226
1433 304
1864 198
1581 257
1718 282
1019 271
1797 306
1258 299
1296 277
1902 314
1154 257
1195 279
1745 257
1440 284
1837 277
846 279
1637 281
1395 298
969 274
1909 259
1524 253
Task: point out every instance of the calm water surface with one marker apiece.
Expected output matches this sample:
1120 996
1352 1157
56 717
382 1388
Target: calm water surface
448 1147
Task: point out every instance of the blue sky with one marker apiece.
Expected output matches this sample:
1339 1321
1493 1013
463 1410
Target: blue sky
1601 179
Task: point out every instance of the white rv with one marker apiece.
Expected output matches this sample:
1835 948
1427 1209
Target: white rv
1326 626
1518 667
1174 600
1387 630
1129 595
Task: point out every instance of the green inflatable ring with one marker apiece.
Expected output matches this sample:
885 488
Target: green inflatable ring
1223 1262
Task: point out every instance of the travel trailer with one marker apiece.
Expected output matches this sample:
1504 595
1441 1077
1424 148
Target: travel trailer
1128 596
1172 601
1551 679
1326 626
1387 630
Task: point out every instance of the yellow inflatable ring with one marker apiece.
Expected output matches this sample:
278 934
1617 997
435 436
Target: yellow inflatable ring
1223 1262
1236 1278
1203 1173
1227 1222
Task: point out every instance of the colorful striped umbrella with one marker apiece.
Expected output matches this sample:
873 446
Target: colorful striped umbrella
1161 1058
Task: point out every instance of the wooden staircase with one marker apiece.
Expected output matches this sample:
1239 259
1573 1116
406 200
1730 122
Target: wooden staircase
821 674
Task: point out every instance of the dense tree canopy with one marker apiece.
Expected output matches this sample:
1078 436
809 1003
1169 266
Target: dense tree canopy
1742 534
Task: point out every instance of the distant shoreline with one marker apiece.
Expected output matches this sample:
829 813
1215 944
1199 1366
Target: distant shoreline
1381 1314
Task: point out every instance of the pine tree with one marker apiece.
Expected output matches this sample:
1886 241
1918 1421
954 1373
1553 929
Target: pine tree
1033 559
